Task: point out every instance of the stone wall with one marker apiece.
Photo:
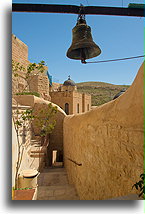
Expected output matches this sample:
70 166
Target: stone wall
20 55
24 136
40 84
56 137
78 102
108 142
19 51
61 98
86 102
68 88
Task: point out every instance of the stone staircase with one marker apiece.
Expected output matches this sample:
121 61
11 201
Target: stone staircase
53 185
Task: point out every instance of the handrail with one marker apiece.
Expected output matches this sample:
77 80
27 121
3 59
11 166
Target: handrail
79 164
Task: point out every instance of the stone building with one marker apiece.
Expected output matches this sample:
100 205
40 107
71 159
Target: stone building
69 99
66 97
39 82
102 150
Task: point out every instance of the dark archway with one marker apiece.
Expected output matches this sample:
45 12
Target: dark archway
66 108
78 108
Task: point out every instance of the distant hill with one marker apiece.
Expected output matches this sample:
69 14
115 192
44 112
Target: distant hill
101 92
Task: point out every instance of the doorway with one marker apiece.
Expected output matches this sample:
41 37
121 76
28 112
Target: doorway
57 158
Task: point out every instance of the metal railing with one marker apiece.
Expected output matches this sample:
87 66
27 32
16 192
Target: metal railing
79 164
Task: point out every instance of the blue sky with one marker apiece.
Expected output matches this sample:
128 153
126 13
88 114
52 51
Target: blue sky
48 37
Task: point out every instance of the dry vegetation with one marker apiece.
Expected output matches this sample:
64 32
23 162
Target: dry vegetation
101 92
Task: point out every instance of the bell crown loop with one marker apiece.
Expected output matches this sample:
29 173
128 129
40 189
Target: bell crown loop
81 17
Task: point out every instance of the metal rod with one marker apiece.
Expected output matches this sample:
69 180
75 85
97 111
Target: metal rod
79 164
73 9
114 60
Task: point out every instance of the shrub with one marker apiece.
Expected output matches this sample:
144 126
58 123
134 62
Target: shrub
29 93
140 185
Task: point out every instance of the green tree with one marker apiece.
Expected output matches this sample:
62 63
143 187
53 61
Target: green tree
140 185
20 118
27 74
45 120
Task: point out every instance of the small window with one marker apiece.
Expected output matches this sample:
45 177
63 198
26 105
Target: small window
88 107
78 108
66 108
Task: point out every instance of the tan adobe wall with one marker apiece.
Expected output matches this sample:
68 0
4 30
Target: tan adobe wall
25 140
62 97
68 88
40 84
86 102
73 98
19 54
108 142
77 101
19 51
56 137
28 162
18 84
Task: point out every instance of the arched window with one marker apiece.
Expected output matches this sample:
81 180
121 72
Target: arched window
88 107
66 108
78 108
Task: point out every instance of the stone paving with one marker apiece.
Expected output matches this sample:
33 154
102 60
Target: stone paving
53 185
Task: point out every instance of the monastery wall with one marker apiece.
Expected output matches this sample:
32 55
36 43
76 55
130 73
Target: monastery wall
108 142
77 102
61 98
86 102
19 51
39 83
56 137
20 55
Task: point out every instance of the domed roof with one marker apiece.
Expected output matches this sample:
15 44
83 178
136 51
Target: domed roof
69 82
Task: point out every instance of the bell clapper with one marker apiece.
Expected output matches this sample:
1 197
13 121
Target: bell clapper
83 61
83 56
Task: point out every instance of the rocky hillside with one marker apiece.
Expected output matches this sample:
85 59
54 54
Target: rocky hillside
101 92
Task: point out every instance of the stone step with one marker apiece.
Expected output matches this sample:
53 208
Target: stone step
53 178
53 185
38 149
54 169
66 192
52 172
37 155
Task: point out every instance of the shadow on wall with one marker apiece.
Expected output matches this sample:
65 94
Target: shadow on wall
56 137
108 142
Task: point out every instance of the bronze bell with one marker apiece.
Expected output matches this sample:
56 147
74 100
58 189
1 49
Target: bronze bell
83 47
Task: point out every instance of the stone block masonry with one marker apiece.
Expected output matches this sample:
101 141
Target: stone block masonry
19 51
38 83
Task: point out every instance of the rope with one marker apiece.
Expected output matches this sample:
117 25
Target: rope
114 60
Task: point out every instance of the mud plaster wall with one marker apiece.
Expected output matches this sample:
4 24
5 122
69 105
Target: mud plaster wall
56 137
108 142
